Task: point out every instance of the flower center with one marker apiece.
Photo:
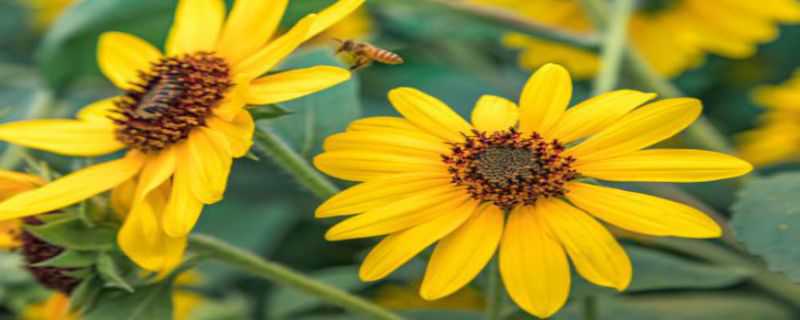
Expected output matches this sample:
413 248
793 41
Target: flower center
172 98
36 250
509 169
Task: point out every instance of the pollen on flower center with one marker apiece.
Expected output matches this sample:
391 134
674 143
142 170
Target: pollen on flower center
172 98
509 169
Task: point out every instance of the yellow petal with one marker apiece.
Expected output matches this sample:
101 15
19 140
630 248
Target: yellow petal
544 99
360 166
67 137
121 57
234 102
9 234
461 255
397 249
595 114
157 169
402 214
72 188
332 15
642 213
596 255
250 25
639 129
429 114
99 111
12 183
239 131
182 209
533 265
196 26
122 197
150 248
493 113
394 124
272 54
208 160
402 143
666 165
380 192
289 85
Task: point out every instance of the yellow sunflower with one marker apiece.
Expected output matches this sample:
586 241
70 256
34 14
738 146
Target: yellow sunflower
517 179
56 307
673 35
45 12
181 119
777 138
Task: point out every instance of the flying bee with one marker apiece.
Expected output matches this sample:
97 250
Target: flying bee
158 98
365 53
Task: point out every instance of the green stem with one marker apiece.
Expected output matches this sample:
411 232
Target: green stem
613 46
589 308
287 277
494 292
42 100
293 163
522 24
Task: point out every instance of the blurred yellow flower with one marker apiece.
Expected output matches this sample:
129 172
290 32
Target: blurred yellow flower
673 35
181 119
45 12
777 138
56 307
513 179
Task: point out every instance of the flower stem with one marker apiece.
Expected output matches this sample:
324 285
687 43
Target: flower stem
613 46
589 308
293 163
494 292
519 23
282 275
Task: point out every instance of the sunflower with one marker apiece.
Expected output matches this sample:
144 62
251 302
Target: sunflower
181 119
519 180
672 35
777 138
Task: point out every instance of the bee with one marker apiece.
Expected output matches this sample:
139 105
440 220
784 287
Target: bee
365 53
158 98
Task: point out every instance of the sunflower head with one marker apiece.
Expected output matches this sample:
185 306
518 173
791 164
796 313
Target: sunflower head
172 98
508 168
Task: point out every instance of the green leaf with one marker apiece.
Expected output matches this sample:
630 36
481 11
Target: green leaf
657 270
70 259
231 308
285 302
146 303
84 296
268 112
695 306
68 50
109 270
72 233
319 115
766 218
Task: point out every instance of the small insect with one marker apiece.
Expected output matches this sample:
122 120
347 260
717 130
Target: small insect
158 98
365 53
